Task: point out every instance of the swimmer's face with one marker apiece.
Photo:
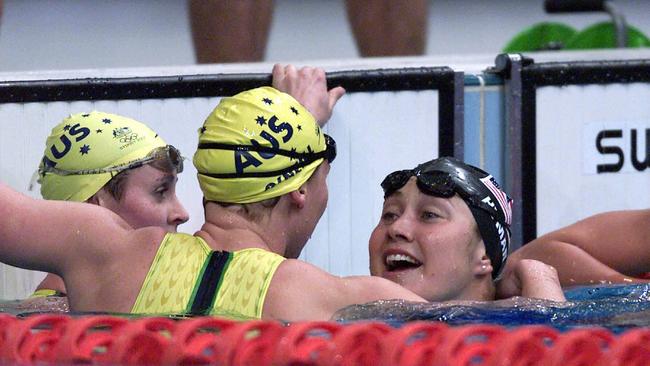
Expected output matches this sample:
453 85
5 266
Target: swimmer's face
315 204
148 199
428 244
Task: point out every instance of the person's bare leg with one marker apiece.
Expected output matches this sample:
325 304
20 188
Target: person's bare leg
230 30
389 27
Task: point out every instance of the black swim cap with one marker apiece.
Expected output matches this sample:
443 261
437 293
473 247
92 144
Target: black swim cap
490 206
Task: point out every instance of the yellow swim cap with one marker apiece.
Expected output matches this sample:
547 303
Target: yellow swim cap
257 145
88 141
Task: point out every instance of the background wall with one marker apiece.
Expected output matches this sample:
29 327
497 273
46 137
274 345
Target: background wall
74 34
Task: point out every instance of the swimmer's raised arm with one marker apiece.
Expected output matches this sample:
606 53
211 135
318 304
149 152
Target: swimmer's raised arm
308 85
44 235
608 247
293 294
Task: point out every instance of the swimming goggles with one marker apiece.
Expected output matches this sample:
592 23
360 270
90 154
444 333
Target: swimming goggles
435 183
166 153
303 158
444 178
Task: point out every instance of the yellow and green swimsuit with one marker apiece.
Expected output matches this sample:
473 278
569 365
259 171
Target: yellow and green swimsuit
186 276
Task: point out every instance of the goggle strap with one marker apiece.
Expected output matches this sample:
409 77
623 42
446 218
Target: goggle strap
274 173
116 168
259 149
36 176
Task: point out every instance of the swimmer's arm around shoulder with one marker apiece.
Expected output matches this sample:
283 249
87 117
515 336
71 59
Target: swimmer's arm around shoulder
52 235
301 291
611 246
574 265
619 239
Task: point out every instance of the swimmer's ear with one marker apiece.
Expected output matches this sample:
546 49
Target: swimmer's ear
483 267
298 197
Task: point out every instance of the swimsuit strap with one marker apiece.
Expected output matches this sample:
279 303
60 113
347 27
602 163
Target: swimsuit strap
205 293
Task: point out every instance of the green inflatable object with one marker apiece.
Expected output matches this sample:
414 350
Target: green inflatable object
541 36
603 35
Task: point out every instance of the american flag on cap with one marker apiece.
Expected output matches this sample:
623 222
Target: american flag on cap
504 201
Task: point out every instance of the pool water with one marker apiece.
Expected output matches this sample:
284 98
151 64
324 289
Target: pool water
615 307
51 304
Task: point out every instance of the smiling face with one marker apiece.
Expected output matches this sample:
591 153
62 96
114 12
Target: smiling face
429 245
148 198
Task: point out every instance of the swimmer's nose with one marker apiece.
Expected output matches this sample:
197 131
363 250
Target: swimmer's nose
178 214
401 229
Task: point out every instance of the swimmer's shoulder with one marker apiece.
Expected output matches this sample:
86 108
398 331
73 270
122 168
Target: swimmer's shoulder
139 243
291 268
304 291
294 292
135 253
155 236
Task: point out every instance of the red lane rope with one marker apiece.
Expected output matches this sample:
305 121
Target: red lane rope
5 323
468 345
249 343
143 341
195 341
581 347
88 339
414 344
523 346
307 343
632 348
33 339
57 339
359 344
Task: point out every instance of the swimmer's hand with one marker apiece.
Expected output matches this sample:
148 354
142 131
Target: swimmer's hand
309 86
530 278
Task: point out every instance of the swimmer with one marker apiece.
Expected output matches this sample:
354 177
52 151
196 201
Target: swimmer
114 162
262 161
444 233
606 248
